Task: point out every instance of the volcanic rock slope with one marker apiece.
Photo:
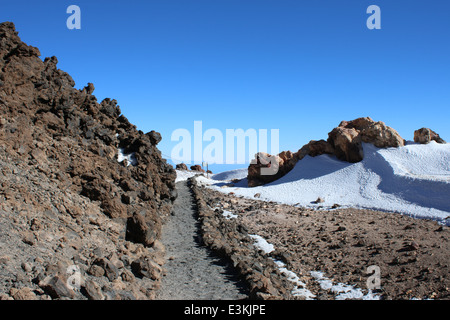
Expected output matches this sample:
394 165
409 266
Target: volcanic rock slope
74 222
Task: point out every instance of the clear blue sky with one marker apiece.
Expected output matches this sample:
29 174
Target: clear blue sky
298 66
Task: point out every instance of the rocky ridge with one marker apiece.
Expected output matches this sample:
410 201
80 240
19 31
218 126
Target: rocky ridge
69 210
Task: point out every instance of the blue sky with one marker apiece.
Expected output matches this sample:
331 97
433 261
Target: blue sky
297 66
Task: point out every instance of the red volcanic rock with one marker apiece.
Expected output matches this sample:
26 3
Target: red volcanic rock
181 166
426 135
347 138
315 148
197 168
376 133
59 152
347 144
267 168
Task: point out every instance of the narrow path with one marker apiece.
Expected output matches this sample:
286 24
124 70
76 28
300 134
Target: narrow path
193 271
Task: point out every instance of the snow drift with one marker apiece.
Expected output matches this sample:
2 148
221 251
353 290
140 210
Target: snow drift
412 180
230 175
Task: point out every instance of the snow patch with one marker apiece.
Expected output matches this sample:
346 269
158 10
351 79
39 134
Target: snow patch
183 175
343 291
262 244
231 175
300 289
130 157
229 215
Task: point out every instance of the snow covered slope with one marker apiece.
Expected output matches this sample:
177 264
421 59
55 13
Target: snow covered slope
183 175
412 180
230 175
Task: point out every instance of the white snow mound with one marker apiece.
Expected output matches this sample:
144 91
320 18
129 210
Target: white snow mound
231 175
412 180
183 175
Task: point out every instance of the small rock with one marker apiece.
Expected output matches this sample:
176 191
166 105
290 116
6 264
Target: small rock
110 270
158 246
155 138
426 135
4 297
96 271
181 166
319 200
56 288
138 230
26 267
413 246
145 267
29 238
116 261
257 195
93 290
127 276
4 259
360 243
22 294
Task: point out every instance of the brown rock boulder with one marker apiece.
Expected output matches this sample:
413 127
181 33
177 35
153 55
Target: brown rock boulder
181 166
93 290
377 133
315 148
23 294
347 144
197 168
145 267
266 168
56 287
426 135
347 138
143 228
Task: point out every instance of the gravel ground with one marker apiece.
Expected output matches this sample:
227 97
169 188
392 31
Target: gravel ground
193 271
412 254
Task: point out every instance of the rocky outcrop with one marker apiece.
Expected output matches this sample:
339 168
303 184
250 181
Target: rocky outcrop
181 166
62 187
197 168
267 168
315 148
426 135
347 138
344 141
347 144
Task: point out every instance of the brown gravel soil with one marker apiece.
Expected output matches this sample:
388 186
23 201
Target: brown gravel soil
412 256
